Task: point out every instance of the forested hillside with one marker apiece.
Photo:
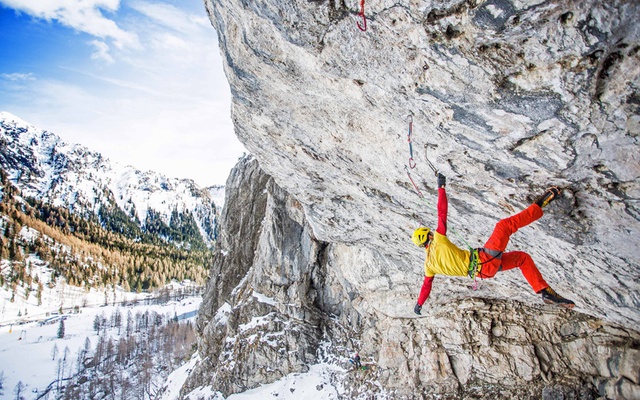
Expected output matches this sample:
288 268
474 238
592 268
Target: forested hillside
93 253
131 358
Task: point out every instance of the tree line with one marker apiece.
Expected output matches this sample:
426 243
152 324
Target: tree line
87 251
131 358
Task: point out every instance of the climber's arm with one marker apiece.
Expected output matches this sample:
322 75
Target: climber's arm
426 290
442 211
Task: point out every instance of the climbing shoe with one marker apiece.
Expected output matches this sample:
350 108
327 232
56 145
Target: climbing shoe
550 296
549 195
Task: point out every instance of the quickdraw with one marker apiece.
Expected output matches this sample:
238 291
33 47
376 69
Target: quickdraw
362 27
414 184
412 163
426 156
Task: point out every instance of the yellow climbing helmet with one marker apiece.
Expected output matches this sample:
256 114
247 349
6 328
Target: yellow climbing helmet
420 236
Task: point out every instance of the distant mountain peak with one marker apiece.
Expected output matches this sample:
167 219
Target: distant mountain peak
44 167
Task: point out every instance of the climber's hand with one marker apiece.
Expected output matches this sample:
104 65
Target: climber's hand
442 180
417 309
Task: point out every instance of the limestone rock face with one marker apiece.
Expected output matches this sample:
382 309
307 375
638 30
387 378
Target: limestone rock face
266 305
279 300
505 98
512 97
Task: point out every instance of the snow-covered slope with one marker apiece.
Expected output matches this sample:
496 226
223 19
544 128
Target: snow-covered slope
217 193
33 355
72 176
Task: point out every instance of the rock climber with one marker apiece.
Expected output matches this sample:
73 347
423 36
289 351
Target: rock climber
356 361
444 257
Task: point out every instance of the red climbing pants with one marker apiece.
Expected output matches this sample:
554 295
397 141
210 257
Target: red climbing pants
513 259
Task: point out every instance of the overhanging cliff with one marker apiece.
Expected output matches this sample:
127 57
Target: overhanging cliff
522 96
508 97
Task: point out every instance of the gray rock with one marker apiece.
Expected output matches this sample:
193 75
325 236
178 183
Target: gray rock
508 97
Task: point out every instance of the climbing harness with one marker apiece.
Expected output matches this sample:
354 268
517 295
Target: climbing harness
475 266
362 27
412 163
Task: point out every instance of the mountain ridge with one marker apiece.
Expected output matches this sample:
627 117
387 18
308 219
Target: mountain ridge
70 175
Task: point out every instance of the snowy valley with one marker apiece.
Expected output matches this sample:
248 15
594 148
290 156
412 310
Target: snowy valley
101 270
103 344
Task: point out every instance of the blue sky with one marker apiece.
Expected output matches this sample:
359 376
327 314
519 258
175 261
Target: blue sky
140 81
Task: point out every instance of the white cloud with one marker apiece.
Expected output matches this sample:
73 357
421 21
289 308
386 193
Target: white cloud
170 16
168 42
164 105
81 15
17 77
102 52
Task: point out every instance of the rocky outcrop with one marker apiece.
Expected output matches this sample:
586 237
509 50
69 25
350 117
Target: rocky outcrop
259 320
508 97
279 300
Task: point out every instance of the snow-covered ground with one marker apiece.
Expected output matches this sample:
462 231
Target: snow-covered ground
323 381
26 355
27 308
313 385
29 333
27 349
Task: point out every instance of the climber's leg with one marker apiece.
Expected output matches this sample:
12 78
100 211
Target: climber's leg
506 227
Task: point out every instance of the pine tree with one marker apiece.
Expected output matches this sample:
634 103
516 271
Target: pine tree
84 354
39 293
117 320
54 352
18 390
129 329
96 324
61 329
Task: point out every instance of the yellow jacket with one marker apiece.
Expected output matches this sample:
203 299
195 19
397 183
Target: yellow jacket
444 257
